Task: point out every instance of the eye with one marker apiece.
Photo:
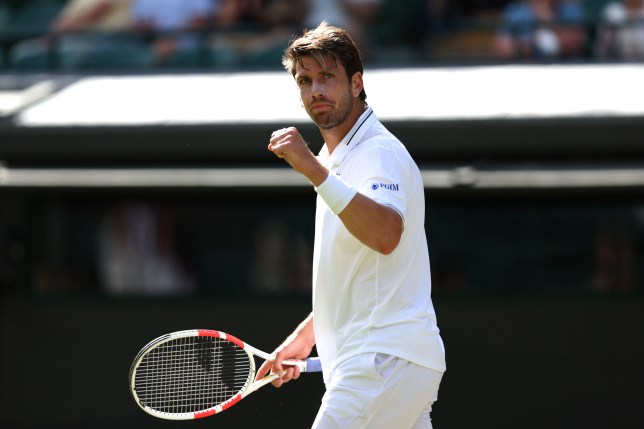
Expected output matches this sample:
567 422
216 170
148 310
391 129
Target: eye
303 81
328 75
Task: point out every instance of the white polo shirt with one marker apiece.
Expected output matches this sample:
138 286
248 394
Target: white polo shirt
364 301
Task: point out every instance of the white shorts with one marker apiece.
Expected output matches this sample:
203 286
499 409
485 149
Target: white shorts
377 391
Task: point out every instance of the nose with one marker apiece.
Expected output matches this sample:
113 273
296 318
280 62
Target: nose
316 89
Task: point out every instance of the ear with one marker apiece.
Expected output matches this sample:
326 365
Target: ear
356 84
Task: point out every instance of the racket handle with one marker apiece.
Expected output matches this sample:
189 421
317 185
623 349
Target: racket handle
313 365
308 365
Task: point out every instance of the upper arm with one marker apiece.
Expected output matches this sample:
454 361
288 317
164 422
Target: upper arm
383 177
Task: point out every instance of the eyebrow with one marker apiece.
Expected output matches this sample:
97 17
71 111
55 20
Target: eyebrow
324 70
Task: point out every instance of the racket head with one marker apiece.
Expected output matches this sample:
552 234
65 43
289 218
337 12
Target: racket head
191 374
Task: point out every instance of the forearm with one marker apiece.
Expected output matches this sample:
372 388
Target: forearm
85 20
376 226
298 345
304 332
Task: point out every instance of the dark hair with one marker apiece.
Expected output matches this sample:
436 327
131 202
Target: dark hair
325 40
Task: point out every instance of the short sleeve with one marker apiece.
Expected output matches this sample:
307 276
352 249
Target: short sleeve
382 174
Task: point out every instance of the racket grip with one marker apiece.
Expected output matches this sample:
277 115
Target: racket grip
313 365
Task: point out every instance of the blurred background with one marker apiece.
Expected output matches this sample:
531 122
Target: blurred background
137 197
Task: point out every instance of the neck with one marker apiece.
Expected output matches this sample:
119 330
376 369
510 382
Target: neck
333 136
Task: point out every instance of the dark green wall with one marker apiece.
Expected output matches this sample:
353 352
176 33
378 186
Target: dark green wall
511 363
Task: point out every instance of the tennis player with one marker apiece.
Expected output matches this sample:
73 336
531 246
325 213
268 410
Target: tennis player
373 320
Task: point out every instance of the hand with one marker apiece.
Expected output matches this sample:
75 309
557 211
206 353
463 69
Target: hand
297 346
288 144
288 141
288 373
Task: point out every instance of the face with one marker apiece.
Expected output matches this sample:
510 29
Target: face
326 92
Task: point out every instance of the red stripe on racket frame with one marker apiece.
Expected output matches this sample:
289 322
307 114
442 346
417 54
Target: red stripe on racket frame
232 401
218 334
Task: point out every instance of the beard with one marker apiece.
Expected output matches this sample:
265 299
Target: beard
335 117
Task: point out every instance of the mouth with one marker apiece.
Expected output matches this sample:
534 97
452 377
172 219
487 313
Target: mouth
320 106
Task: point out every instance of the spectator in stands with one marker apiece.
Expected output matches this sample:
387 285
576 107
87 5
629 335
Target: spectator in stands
173 25
256 32
281 258
138 253
435 14
239 14
82 27
355 16
93 15
620 34
541 29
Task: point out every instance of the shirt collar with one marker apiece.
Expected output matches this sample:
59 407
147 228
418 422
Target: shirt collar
353 138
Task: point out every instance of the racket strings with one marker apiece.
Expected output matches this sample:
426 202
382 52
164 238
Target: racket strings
191 374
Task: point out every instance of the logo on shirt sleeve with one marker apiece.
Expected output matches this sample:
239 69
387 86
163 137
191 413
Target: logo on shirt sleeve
387 186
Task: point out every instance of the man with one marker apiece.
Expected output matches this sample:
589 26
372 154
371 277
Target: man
355 16
174 25
542 29
82 29
373 321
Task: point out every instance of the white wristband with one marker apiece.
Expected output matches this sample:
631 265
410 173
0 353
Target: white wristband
335 193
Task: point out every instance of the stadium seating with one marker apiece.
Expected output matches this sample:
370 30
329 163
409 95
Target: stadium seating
401 34
33 17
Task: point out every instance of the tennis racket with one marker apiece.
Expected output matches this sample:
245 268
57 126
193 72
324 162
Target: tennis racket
197 373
